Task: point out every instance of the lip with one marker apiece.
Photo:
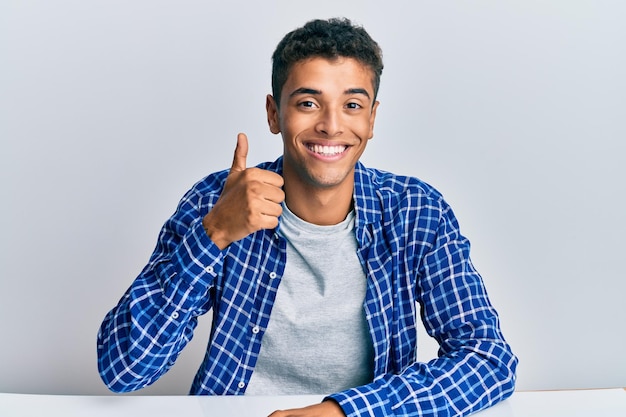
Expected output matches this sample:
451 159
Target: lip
327 151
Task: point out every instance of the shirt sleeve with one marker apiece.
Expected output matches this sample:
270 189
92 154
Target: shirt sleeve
475 367
142 336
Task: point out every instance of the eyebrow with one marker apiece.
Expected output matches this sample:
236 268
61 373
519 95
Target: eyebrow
311 91
363 91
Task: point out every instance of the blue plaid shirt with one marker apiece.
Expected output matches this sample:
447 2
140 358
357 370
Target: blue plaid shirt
413 254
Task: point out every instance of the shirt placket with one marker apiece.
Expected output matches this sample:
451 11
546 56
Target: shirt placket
268 280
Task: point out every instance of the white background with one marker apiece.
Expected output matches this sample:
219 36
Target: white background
111 110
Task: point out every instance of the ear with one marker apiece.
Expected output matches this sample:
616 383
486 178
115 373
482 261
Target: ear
373 119
272 114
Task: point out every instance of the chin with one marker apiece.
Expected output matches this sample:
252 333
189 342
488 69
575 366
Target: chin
327 181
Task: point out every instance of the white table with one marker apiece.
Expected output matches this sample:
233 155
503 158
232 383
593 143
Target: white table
583 403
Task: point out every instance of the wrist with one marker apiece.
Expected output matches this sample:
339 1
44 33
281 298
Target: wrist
215 234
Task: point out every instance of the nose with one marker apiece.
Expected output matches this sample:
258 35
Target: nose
330 123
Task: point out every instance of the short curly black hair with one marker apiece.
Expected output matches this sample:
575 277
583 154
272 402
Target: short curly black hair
331 39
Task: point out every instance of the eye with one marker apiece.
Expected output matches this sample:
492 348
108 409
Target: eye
307 104
353 106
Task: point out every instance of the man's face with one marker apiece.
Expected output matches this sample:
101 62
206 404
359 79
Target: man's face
326 117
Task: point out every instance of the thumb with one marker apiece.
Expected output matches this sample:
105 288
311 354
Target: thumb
241 153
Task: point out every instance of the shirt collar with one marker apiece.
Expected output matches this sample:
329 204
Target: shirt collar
366 204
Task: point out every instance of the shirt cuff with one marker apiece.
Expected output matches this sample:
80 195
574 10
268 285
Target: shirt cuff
199 261
367 400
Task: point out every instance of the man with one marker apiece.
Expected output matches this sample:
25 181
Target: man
314 265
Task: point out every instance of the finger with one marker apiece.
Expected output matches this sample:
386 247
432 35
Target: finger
274 179
266 177
241 153
274 194
271 209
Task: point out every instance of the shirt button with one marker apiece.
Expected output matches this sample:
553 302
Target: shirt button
175 315
241 385
256 329
273 275
209 269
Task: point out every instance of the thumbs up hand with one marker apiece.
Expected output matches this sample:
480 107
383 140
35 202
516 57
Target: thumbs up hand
251 201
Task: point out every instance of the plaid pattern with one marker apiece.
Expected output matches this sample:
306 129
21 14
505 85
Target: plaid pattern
414 255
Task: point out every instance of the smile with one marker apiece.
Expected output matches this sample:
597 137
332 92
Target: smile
326 150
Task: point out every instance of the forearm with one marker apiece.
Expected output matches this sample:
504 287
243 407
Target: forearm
472 378
142 336
128 358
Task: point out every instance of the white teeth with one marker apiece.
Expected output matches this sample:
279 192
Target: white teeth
327 150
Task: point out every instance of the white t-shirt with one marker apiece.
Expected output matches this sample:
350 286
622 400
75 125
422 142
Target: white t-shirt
317 340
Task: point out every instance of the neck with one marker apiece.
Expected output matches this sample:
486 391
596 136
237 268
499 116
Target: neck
322 207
